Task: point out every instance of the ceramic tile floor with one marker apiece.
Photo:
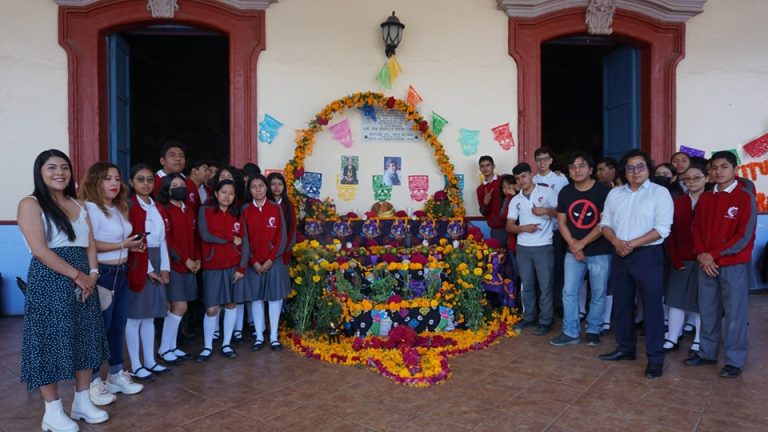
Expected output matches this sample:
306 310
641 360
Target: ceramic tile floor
520 384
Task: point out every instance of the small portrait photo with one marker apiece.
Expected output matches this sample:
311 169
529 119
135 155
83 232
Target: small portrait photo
349 167
393 170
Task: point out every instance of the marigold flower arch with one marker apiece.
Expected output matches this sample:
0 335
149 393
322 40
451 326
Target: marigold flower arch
305 141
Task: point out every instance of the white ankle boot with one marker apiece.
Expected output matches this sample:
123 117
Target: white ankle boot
84 409
55 420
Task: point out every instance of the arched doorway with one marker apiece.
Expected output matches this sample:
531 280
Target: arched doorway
661 48
83 34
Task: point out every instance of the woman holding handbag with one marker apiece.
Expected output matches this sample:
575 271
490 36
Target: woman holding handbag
148 274
63 331
107 204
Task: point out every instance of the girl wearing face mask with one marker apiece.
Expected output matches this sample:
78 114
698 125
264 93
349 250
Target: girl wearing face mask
148 274
63 330
107 204
262 247
181 235
682 282
221 234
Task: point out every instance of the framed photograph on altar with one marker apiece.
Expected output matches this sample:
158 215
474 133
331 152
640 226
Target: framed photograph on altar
393 170
349 167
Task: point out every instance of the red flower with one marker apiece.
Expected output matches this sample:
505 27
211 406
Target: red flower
389 258
418 258
423 125
299 173
394 298
493 243
371 243
391 102
474 232
322 121
342 259
352 215
420 213
370 214
401 213
441 196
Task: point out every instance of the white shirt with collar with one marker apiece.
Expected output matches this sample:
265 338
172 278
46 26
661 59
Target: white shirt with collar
485 182
729 189
520 209
155 226
631 214
553 180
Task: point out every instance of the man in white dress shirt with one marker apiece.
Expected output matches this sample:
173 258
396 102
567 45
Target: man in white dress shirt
636 219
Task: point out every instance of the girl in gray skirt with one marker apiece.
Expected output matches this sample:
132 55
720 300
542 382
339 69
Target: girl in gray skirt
221 234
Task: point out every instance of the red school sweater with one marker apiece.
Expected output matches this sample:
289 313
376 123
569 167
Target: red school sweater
491 211
193 195
724 226
181 236
217 233
138 262
263 231
680 241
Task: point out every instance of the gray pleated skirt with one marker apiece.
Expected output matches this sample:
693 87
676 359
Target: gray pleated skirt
273 285
683 288
183 287
218 288
151 302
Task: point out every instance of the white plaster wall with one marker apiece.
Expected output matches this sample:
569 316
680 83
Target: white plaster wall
722 84
33 94
454 52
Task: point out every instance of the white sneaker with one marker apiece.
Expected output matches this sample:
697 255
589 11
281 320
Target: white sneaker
122 382
55 420
99 393
84 409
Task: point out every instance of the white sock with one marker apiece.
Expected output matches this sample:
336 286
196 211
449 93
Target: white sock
147 332
240 310
607 313
170 332
274 318
257 311
132 342
229 324
675 328
249 313
583 298
209 326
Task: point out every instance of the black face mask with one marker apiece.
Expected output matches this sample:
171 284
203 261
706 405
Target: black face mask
662 181
178 193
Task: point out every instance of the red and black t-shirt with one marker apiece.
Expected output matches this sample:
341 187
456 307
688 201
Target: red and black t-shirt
582 210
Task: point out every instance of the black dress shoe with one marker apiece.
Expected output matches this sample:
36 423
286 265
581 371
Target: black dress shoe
654 370
698 361
276 346
730 371
228 352
617 355
257 345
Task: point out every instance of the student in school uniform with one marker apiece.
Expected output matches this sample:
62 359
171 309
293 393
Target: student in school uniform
723 237
183 248
278 194
148 274
221 235
173 158
264 233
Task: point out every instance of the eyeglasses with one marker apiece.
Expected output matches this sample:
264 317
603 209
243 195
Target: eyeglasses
636 168
142 179
692 179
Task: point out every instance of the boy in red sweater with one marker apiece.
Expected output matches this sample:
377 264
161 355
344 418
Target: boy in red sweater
723 235
489 198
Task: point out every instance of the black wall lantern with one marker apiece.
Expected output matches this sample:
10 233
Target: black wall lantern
391 32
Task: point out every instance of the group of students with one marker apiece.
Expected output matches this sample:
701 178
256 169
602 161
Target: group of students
144 248
662 246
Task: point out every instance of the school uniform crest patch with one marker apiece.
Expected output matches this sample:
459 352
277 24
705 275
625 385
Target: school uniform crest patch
732 212
272 222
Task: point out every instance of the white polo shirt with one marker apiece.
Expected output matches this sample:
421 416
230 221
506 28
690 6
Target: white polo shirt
520 209
630 214
555 181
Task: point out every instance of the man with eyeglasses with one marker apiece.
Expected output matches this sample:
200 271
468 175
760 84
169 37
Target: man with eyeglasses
555 181
723 237
636 220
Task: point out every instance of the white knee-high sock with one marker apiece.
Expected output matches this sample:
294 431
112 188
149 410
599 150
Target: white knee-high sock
676 318
229 325
257 311
696 322
170 332
274 318
692 318
239 312
249 312
583 298
209 326
147 332
608 309
132 341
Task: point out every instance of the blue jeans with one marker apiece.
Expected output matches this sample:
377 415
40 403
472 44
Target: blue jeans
116 315
599 268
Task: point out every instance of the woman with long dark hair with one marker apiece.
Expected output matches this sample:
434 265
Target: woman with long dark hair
221 235
63 330
181 235
148 274
106 200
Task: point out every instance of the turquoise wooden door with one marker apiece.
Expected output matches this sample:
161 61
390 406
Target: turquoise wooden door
621 102
119 86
